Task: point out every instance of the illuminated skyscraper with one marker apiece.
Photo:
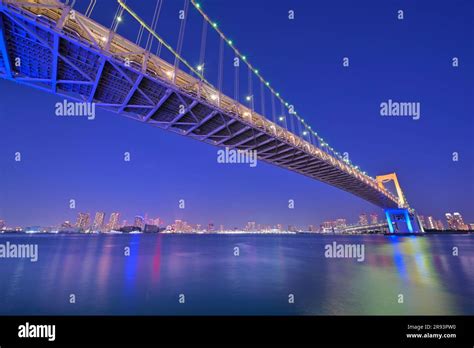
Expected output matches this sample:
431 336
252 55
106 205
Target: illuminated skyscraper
98 221
327 226
440 225
459 222
66 224
178 226
250 226
450 221
363 219
374 219
340 223
83 221
156 222
113 221
139 222
422 221
431 223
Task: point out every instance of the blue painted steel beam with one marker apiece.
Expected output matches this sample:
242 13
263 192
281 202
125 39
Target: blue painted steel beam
4 50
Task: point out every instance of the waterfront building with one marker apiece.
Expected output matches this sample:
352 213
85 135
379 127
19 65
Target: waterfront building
431 223
139 221
455 221
459 222
151 229
251 226
98 221
327 226
66 224
450 221
363 219
177 226
340 224
113 224
440 225
83 221
374 219
422 221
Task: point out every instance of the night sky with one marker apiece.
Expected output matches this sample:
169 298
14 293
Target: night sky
406 60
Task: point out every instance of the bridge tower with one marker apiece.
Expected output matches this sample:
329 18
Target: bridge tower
403 219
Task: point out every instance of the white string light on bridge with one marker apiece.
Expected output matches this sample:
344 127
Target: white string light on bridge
307 128
199 71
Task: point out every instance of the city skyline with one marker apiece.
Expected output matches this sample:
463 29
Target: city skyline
101 222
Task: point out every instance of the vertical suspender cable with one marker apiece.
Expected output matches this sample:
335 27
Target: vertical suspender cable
179 47
250 95
285 124
262 98
118 14
160 44
156 14
90 8
236 79
115 18
220 75
139 35
292 124
202 52
273 109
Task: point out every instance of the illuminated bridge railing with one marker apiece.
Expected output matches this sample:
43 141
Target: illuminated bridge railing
82 60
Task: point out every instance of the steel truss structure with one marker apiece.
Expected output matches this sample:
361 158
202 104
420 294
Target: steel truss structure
45 45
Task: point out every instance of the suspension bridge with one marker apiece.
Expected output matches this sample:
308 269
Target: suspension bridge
48 45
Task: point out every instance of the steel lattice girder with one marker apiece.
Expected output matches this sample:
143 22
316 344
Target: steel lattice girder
101 77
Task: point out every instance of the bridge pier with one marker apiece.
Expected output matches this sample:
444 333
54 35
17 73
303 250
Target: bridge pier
402 221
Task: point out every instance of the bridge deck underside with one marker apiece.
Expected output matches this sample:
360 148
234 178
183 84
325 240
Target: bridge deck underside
57 63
